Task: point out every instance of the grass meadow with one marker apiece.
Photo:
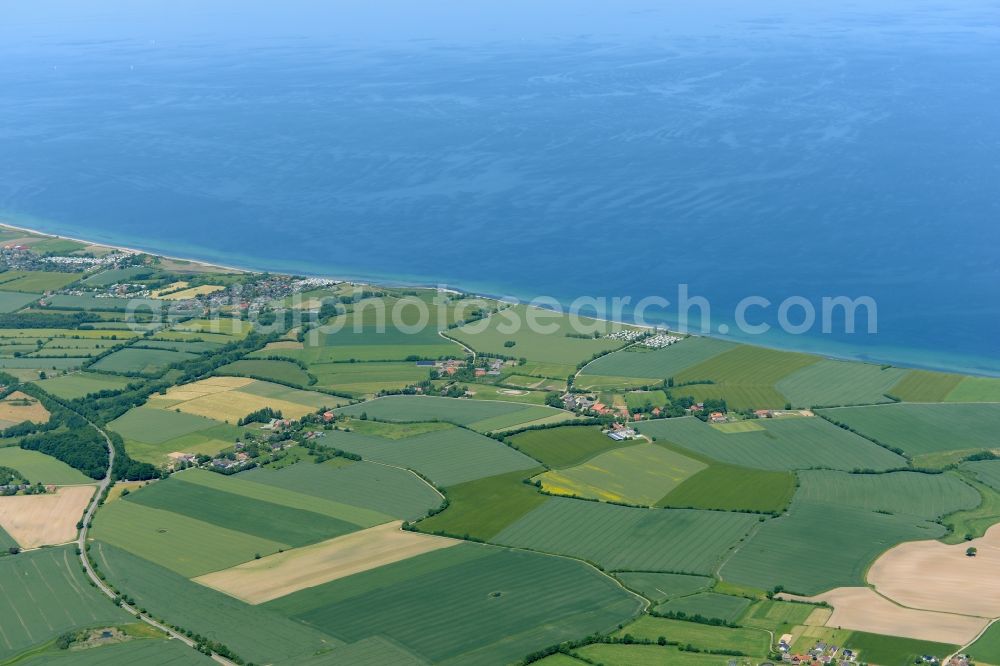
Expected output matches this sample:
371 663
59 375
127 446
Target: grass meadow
40 468
659 587
654 365
707 604
701 636
141 361
481 415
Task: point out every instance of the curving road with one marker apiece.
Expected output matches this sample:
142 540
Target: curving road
88 567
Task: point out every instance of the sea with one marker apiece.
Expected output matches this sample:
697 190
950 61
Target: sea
781 151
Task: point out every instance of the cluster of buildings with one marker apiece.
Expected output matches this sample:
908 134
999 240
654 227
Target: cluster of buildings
625 335
821 653
660 340
23 258
619 432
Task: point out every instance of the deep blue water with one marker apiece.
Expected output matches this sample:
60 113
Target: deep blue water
562 148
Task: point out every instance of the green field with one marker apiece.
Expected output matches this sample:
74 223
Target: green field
654 364
636 400
786 443
701 636
37 281
737 396
232 504
188 546
625 538
986 650
116 275
6 540
731 488
565 446
141 361
284 372
817 546
552 346
79 384
484 507
925 386
925 428
481 415
40 468
447 457
466 605
976 389
367 378
747 365
707 604
12 300
638 474
254 633
662 586
776 616
388 490
926 496
893 650
829 383
155 426
42 594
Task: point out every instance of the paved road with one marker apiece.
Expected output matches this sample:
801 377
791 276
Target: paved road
88 567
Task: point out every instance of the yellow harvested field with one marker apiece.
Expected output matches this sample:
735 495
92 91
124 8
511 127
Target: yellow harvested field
863 609
116 490
170 287
284 344
44 520
277 575
935 576
192 292
19 406
204 387
231 406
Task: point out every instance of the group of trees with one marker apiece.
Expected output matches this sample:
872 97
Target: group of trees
262 415
82 447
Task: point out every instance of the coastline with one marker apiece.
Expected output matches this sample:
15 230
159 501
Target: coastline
371 282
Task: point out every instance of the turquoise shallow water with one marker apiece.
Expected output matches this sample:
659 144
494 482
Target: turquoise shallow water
787 149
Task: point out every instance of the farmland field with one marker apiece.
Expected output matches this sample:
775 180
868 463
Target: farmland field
77 385
484 507
40 468
367 378
655 365
12 300
797 550
253 632
986 650
388 490
158 425
894 651
447 457
777 616
466 605
731 488
284 372
925 428
927 496
746 365
626 538
36 281
241 511
141 361
925 386
707 604
554 347
188 546
788 443
701 636
976 389
45 519
829 383
638 474
639 399
565 446
737 396
481 415
662 586
60 597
